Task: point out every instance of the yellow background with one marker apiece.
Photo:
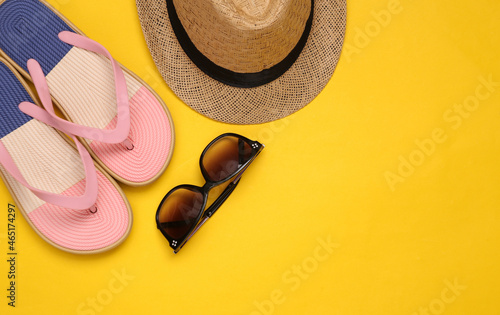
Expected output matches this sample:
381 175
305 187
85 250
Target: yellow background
426 242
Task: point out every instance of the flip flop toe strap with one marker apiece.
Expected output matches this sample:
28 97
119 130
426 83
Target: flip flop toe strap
117 135
85 201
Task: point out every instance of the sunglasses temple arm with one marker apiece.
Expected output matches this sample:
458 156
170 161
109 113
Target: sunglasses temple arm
211 210
217 203
196 229
229 189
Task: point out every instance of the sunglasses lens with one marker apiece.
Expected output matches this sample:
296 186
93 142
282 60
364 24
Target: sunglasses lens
225 156
179 212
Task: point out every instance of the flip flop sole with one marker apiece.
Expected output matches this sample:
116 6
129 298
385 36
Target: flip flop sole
82 86
48 160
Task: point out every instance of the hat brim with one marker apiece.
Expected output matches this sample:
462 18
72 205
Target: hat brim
296 88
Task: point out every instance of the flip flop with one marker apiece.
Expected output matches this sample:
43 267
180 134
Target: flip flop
76 208
122 122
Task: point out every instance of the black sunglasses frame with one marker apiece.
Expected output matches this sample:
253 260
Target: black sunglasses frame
177 243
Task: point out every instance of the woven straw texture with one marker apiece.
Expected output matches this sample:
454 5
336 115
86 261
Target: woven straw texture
292 91
264 32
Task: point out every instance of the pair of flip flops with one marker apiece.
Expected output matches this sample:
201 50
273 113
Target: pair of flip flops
114 118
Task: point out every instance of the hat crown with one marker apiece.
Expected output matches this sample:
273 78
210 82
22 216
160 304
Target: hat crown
254 12
244 36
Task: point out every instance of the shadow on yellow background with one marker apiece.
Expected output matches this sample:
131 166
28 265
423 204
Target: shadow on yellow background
379 197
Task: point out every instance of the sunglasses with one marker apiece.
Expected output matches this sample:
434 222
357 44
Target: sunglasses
185 208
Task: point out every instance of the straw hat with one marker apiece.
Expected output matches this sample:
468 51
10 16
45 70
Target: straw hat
244 61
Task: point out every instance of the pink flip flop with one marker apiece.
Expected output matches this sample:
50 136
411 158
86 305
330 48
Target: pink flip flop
121 121
72 204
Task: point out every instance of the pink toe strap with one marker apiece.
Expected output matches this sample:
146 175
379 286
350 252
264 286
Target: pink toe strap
48 116
84 201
